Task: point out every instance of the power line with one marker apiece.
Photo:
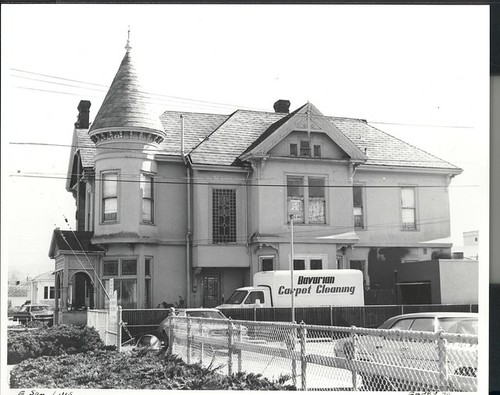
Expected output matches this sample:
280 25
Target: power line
204 151
206 103
233 184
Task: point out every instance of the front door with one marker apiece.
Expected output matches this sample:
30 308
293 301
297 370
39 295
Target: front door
211 290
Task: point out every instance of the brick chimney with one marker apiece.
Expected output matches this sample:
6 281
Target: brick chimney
282 106
82 121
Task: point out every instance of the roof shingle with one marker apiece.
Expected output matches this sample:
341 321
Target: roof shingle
126 104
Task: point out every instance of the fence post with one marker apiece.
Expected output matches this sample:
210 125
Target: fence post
443 362
188 358
303 354
293 336
202 344
354 340
240 339
171 334
230 347
255 313
106 327
119 330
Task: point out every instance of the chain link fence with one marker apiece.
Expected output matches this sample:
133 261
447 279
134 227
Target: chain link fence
329 357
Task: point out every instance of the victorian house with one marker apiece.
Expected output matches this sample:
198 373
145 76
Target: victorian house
190 205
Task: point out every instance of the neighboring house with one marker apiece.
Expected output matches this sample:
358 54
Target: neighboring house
193 204
42 289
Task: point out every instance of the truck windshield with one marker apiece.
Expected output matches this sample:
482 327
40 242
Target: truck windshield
237 297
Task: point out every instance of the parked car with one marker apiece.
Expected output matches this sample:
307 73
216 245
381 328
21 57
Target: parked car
35 312
209 327
402 350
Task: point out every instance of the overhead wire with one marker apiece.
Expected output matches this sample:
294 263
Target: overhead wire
205 151
207 103
235 184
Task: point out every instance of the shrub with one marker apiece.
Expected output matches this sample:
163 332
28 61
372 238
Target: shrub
56 340
109 369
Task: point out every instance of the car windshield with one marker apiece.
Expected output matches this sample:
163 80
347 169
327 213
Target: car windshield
237 297
40 308
205 314
459 325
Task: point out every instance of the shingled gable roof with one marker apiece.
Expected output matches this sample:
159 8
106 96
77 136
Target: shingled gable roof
232 135
308 118
73 241
126 103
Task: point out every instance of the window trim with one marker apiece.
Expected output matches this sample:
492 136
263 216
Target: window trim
102 198
416 211
306 198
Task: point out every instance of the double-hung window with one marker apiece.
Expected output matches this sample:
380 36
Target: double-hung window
408 208
223 216
109 197
306 199
358 210
147 192
124 273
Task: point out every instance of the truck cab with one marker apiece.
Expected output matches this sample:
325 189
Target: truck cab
246 297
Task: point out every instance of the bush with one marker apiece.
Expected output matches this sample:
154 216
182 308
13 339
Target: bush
114 370
56 340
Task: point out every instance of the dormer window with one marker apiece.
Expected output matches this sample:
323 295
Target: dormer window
305 148
293 149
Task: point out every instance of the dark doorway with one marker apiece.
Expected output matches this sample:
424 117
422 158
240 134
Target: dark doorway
83 294
415 293
211 290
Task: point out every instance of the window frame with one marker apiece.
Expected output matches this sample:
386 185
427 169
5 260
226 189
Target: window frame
307 149
415 211
363 206
266 257
233 236
122 277
306 198
103 198
151 199
307 258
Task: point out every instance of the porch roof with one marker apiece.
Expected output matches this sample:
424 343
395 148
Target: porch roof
73 241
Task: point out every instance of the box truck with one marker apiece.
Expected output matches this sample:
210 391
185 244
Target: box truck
311 288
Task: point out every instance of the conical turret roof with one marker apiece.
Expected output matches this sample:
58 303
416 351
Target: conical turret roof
126 104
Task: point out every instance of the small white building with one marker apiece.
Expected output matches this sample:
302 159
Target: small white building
42 289
471 244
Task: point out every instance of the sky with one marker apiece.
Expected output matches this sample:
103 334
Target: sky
420 73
